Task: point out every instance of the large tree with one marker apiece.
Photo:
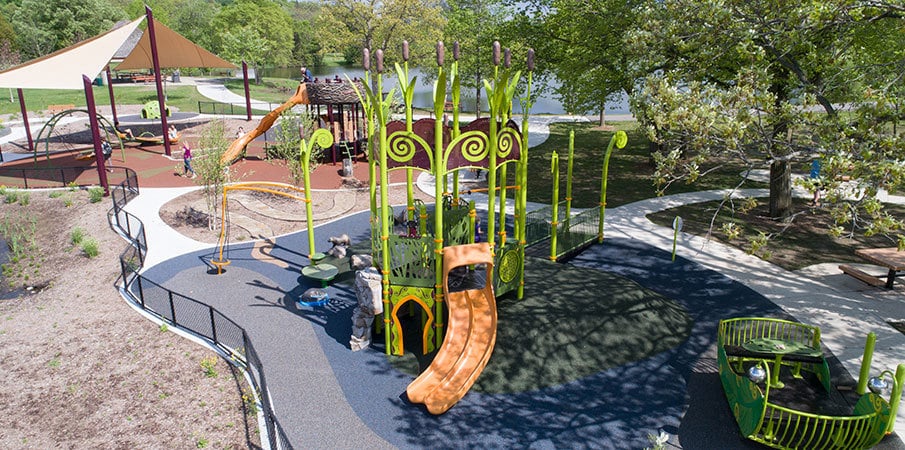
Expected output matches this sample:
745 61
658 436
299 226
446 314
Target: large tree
763 82
306 49
349 25
256 31
43 26
475 25
581 43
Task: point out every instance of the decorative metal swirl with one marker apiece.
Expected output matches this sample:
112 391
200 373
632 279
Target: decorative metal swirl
322 138
473 145
507 140
402 146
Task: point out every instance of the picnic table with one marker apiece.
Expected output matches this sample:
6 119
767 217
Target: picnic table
889 257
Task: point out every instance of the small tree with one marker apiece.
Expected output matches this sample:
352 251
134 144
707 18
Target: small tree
212 172
295 124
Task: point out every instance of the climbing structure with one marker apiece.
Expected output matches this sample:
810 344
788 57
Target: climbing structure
411 263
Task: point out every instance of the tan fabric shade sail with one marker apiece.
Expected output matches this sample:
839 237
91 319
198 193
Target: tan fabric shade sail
63 69
173 50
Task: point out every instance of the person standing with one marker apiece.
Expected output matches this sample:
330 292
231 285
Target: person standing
187 160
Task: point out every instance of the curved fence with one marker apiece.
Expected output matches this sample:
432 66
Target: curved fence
182 311
56 177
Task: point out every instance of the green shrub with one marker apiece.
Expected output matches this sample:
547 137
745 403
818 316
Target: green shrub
95 194
55 194
90 247
77 235
209 365
24 198
10 196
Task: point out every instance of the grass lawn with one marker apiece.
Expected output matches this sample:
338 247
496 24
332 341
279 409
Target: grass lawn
805 242
185 98
273 90
630 171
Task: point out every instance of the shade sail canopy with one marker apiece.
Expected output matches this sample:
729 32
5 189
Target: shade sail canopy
63 69
173 50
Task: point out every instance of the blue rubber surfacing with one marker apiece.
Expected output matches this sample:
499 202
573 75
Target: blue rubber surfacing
677 391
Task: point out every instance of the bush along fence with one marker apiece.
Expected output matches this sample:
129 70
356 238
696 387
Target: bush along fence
186 313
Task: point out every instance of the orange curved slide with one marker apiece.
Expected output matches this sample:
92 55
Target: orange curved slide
235 149
470 335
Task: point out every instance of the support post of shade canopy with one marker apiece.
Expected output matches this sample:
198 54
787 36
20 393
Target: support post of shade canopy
95 135
157 80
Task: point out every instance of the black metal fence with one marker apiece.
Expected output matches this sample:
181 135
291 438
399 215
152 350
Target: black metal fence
234 109
185 312
55 177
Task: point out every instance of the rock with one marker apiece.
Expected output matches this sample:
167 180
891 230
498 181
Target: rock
360 262
370 303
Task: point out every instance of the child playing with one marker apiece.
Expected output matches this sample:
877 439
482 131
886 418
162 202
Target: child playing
187 160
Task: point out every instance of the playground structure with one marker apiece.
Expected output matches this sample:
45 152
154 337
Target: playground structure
409 262
343 119
321 138
754 354
46 133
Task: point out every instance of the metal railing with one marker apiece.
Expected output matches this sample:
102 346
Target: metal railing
55 177
234 109
184 312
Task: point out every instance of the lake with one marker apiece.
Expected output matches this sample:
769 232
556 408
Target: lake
545 104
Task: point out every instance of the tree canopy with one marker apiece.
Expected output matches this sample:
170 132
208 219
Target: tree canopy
772 84
44 26
583 47
256 31
348 26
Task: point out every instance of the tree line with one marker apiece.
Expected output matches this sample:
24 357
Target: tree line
771 84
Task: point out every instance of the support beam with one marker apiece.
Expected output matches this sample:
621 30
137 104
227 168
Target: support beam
95 135
31 143
158 81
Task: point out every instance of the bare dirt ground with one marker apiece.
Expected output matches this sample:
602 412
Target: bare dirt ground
174 213
81 368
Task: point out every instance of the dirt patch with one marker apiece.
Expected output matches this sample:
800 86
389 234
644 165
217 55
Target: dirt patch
173 213
82 369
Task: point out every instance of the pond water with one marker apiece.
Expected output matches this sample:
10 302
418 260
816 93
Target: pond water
545 104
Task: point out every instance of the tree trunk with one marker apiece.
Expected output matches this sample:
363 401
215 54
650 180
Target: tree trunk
603 113
781 167
781 189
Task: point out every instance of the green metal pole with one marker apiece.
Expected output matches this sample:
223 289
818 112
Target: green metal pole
896 397
569 177
522 204
439 170
503 206
472 218
554 167
386 217
866 360
618 140
491 165
455 92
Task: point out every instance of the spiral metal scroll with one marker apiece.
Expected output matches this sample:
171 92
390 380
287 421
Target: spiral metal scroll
472 144
507 141
403 145
321 138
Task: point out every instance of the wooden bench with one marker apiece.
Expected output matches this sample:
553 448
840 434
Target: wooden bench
142 78
862 275
59 108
